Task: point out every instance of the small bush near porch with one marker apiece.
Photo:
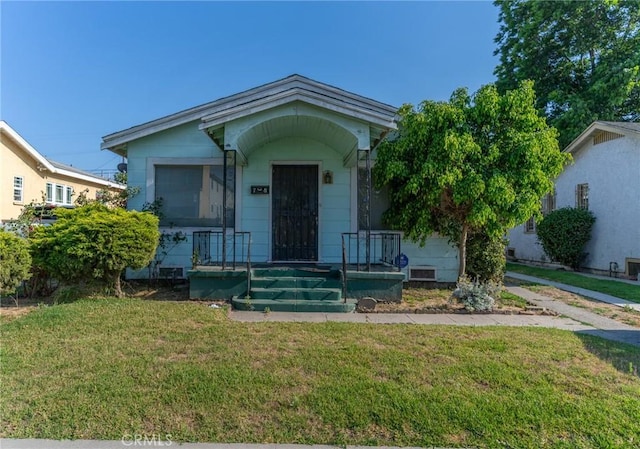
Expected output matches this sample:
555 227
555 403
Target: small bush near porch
106 368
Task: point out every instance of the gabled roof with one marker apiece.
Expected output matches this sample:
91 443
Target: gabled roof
53 166
289 89
623 128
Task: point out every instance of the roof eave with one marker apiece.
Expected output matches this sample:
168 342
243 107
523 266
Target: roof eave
236 101
577 143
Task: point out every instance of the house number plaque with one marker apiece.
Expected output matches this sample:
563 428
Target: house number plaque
259 190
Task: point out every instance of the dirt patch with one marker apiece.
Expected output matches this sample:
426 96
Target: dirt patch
426 300
157 291
11 308
621 314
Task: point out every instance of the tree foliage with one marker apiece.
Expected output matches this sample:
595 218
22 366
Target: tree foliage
15 261
94 242
584 57
563 234
473 163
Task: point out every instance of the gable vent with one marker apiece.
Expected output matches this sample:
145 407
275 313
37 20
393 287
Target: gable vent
422 273
605 136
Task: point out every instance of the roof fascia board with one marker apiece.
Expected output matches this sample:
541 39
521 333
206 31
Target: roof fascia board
587 133
96 180
289 96
4 126
242 98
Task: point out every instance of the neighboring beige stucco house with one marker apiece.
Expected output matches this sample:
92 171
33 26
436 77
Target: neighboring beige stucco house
26 176
604 178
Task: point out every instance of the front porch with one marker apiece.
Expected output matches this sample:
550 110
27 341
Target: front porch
223 270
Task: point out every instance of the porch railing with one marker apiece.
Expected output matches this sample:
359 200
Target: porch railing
382 249
228 250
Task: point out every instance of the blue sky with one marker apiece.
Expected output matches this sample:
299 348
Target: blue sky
72 72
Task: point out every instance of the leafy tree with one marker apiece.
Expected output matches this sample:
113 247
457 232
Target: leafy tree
563 234
473 163
93 242
15 261
584 57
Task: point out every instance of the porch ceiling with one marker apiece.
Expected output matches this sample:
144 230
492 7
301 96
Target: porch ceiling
315 128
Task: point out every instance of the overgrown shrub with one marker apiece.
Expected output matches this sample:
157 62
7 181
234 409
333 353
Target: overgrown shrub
563 234
486 259
94 243
476 296
15 261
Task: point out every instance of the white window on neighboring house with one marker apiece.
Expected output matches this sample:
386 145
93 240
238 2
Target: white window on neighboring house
59 194
68 192
18 189
582 196
49 193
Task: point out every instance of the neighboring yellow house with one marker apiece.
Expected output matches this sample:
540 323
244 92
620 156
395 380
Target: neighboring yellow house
26 176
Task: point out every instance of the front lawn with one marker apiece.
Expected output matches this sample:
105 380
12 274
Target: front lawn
108 368
614 288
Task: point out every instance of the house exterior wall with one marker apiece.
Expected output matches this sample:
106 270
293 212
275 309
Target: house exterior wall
612 171
334 199
337 203
17 162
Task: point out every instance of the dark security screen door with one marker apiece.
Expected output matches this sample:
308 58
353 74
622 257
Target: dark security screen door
294 211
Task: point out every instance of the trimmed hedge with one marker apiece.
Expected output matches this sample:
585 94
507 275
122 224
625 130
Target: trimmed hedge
563 234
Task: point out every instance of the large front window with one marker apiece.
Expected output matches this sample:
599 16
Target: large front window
193 195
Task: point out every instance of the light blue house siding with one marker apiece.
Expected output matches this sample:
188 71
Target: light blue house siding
334 199
294 121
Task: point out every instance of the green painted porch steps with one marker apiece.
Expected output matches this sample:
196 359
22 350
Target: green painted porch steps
294 290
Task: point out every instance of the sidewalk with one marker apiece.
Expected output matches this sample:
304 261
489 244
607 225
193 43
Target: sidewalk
580 291
571 318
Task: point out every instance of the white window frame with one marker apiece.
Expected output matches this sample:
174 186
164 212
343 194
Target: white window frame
68 193
58 194
18 189
49 192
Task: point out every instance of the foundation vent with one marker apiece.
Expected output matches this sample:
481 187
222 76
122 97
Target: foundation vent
171 273
422 274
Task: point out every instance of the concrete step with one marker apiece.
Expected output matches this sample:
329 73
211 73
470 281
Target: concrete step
295 282
292 305
309 294
277 272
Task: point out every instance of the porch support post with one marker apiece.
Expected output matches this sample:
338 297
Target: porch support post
224 209
368 210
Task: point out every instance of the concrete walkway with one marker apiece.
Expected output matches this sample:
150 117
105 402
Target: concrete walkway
581 291
450 319
571 318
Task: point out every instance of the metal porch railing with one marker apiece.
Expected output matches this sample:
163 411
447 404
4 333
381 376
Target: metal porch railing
382 249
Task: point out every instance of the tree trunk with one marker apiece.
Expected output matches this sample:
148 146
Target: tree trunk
463 250
117 287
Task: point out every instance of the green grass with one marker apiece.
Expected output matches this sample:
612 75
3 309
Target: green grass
615 288
107 368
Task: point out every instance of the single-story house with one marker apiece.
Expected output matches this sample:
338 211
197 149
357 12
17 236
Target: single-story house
604 178
279 174
27 176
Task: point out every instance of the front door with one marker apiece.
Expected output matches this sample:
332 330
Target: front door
294 211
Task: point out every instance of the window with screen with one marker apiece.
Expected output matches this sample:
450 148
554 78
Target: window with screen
193 195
